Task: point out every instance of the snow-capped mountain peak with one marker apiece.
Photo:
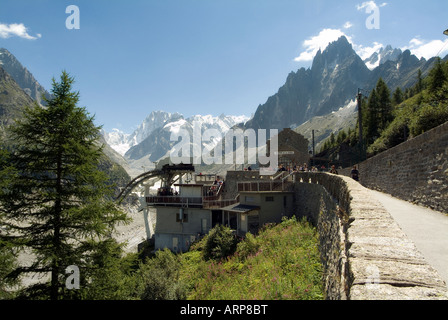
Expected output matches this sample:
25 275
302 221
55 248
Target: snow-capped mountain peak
169 123
381 56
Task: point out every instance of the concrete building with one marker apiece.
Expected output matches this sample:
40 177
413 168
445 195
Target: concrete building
201 202
292 149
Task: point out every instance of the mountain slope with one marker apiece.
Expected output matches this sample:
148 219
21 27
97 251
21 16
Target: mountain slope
158 143
334 122
401 72
12 99
329 84
332 82
22 76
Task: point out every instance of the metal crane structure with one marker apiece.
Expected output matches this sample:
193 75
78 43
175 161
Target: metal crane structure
168 174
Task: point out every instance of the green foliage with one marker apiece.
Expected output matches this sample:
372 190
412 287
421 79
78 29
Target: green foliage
248 247
426 109
398 97
437 76
334 141
53 198
417 110
158 278
385 104
111 274
281 262
428 117
7 265
396 133
219 243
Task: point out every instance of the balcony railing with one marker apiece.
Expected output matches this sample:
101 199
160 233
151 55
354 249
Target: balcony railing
174 201
260 186
216 204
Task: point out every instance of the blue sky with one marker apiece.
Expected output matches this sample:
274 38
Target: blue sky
200 56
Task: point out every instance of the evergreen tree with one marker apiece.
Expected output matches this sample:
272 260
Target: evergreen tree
54 200
397 97
419 85
384 104
371 118
332 139
437 76
7 253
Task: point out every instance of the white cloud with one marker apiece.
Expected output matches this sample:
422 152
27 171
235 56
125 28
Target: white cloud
427 49
348 25
16 30
365 52
370 5
325 37
321 41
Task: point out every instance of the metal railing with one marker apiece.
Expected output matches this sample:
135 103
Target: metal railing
208 204
174 201
260 186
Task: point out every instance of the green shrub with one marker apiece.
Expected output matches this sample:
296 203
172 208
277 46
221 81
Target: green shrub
248 247
220 243
396 133
429 117
159 278
281 262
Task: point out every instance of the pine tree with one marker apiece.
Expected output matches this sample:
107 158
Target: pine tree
54 200
385 104
419 85
437 76
371 118
332 139
397 97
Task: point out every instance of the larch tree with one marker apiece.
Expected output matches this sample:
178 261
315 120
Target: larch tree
385 104
54 201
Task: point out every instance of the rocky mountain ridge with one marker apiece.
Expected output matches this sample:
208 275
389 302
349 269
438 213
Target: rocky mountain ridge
22 76
333 81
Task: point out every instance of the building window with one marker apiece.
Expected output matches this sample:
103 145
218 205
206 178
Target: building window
269 199
249 199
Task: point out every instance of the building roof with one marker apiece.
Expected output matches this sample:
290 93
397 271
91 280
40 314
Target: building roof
241 208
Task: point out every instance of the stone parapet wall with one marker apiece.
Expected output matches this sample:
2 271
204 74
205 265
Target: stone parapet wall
415 171
365 254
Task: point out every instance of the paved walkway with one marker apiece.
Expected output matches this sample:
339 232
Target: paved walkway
428 229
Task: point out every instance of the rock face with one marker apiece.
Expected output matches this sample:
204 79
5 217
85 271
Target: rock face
12 99
22 76
332 82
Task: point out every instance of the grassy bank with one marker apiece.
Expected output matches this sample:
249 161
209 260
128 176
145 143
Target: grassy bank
282 262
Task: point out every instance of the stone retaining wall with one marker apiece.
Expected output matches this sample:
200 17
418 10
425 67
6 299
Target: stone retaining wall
364 252
416 170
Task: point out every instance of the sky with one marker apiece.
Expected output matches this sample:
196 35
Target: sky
132 57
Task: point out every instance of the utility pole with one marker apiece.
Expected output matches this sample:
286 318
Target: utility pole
312 159
313 144
361 142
